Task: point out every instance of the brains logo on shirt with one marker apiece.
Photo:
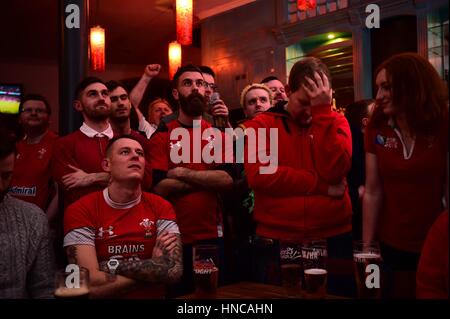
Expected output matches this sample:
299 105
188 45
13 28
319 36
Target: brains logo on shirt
149 227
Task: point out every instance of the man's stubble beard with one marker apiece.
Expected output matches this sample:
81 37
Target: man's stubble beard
98 115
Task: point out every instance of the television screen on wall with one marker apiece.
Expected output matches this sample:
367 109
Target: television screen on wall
10 95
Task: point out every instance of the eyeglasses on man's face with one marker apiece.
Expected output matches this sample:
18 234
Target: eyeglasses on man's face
30 110
212 86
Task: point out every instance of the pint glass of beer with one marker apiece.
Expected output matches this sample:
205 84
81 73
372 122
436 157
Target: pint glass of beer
367 262
314 257
291 268
206 270
72 282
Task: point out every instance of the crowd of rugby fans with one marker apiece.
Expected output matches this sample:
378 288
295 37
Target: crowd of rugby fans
113 189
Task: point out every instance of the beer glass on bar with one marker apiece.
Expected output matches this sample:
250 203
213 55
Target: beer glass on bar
72 283
314 257
291 268
367 262
206 270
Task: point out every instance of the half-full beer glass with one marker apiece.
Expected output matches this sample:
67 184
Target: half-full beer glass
72 282
367 262
314 257
206 270
291 267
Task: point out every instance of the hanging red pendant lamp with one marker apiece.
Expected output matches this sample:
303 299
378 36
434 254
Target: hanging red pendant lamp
97 46
184 21
174 58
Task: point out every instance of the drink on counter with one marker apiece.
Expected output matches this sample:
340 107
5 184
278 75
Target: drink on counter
316 281
206 270
72 293
314 257
291 267
72 283
206 278
367 260
361 261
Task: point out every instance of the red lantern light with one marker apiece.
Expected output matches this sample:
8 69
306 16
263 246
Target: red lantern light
304 5
174 58
184 21
97 44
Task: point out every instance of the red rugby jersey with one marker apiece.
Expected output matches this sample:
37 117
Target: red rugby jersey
413 184
32 179
80 151
125 233
198 213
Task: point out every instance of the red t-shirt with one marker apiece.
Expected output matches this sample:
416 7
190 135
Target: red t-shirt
83 152
32 180
121 233
198 212
413 184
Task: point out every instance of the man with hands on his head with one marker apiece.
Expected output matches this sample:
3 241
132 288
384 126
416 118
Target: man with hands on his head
306 197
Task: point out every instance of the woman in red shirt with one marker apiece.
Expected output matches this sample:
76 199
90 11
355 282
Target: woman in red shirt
406 163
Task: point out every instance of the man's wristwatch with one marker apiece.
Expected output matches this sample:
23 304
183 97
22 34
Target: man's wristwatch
112 265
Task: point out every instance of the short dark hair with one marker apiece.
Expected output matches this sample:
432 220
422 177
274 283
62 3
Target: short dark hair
8 144
35 97
306 67
183 69
85 83
112 85
356 111
206 69
269 78
116 138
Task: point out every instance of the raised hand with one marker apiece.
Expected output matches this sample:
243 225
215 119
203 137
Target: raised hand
152 70
219 109
318 90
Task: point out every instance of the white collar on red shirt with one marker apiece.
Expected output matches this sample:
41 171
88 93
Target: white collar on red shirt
406 155
90 132
116 205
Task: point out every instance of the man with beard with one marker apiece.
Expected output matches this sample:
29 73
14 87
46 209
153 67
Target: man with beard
277 89
26 263
306 198
77 157
191 187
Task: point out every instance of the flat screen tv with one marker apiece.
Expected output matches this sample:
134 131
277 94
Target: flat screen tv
10 95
